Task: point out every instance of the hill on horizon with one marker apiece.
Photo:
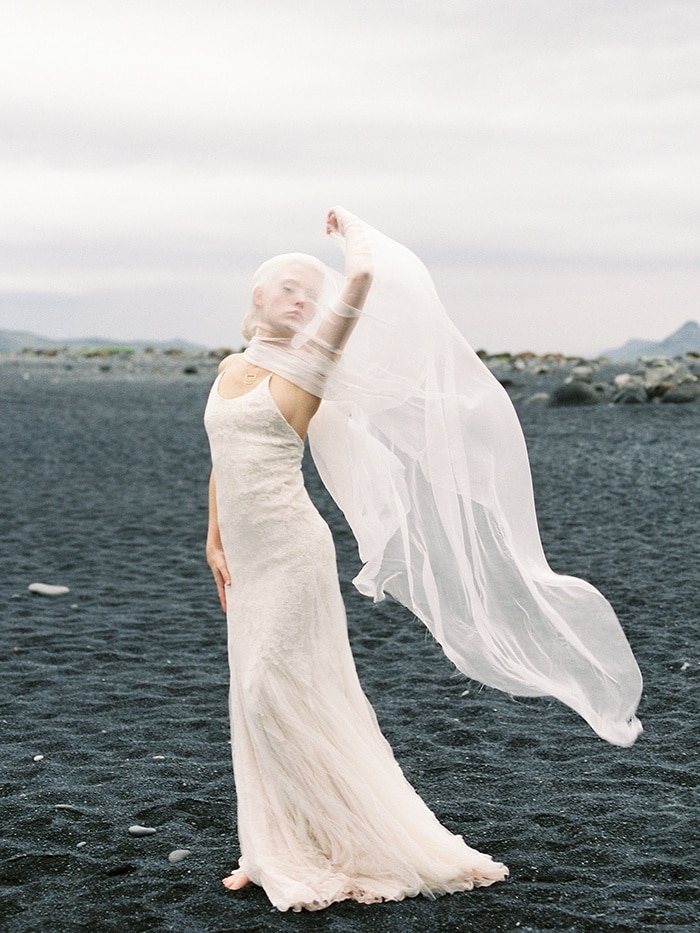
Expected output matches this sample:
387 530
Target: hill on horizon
13 340
684 340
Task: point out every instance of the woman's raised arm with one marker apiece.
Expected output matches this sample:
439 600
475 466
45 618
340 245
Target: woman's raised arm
339 324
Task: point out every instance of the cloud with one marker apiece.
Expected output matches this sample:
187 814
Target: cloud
524 151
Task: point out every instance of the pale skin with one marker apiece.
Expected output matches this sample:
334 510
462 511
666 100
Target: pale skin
285 303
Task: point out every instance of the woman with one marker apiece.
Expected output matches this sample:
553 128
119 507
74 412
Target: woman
324 812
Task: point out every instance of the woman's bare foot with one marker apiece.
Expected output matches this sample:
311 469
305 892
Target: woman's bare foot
236 880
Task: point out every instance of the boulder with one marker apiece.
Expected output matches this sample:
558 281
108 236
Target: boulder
582 373
574 393
631 395
604 390
660 372
659 389
687 392
630 390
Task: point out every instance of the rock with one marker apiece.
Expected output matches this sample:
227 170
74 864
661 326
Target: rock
177 855
631 395
604 391
630 389
658 372
687 392
137 830
47 589
38 758
659 389
574 393
661 375
622 380
539 398
582 373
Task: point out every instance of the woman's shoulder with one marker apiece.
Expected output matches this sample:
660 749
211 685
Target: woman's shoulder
233 359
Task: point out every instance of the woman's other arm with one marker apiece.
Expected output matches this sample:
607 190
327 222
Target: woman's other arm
215 551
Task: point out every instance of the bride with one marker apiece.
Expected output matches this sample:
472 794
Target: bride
324 811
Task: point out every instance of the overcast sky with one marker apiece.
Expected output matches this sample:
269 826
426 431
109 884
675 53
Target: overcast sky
542 157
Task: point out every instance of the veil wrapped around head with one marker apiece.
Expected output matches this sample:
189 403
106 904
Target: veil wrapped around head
422 450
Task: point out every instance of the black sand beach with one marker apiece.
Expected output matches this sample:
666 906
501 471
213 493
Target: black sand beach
121 685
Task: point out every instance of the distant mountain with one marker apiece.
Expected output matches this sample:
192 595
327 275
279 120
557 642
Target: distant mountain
684 340
23 340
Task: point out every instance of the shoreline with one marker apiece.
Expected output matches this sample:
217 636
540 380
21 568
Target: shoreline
550 379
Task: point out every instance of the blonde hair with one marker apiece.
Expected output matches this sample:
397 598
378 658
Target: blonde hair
267 272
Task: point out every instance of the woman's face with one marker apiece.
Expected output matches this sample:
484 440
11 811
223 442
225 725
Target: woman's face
288 301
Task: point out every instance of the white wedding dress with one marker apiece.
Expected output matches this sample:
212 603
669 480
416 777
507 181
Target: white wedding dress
324 811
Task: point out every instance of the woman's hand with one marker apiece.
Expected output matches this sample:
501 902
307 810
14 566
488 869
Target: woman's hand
222 578
337 219
332 225
358 258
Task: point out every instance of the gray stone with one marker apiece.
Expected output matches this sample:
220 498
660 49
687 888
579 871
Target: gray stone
574 393
47 589
687 392
627 380
631 395
137 830
177 855
582 373
659 372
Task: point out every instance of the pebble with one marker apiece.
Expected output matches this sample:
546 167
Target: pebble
80 845
38 758
177 855
47 589
137 830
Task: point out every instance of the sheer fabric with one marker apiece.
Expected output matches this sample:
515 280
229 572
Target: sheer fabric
422 450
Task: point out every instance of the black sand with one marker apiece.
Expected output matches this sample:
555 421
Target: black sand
122 684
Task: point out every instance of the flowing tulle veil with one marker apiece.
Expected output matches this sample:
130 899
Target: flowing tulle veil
422 450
